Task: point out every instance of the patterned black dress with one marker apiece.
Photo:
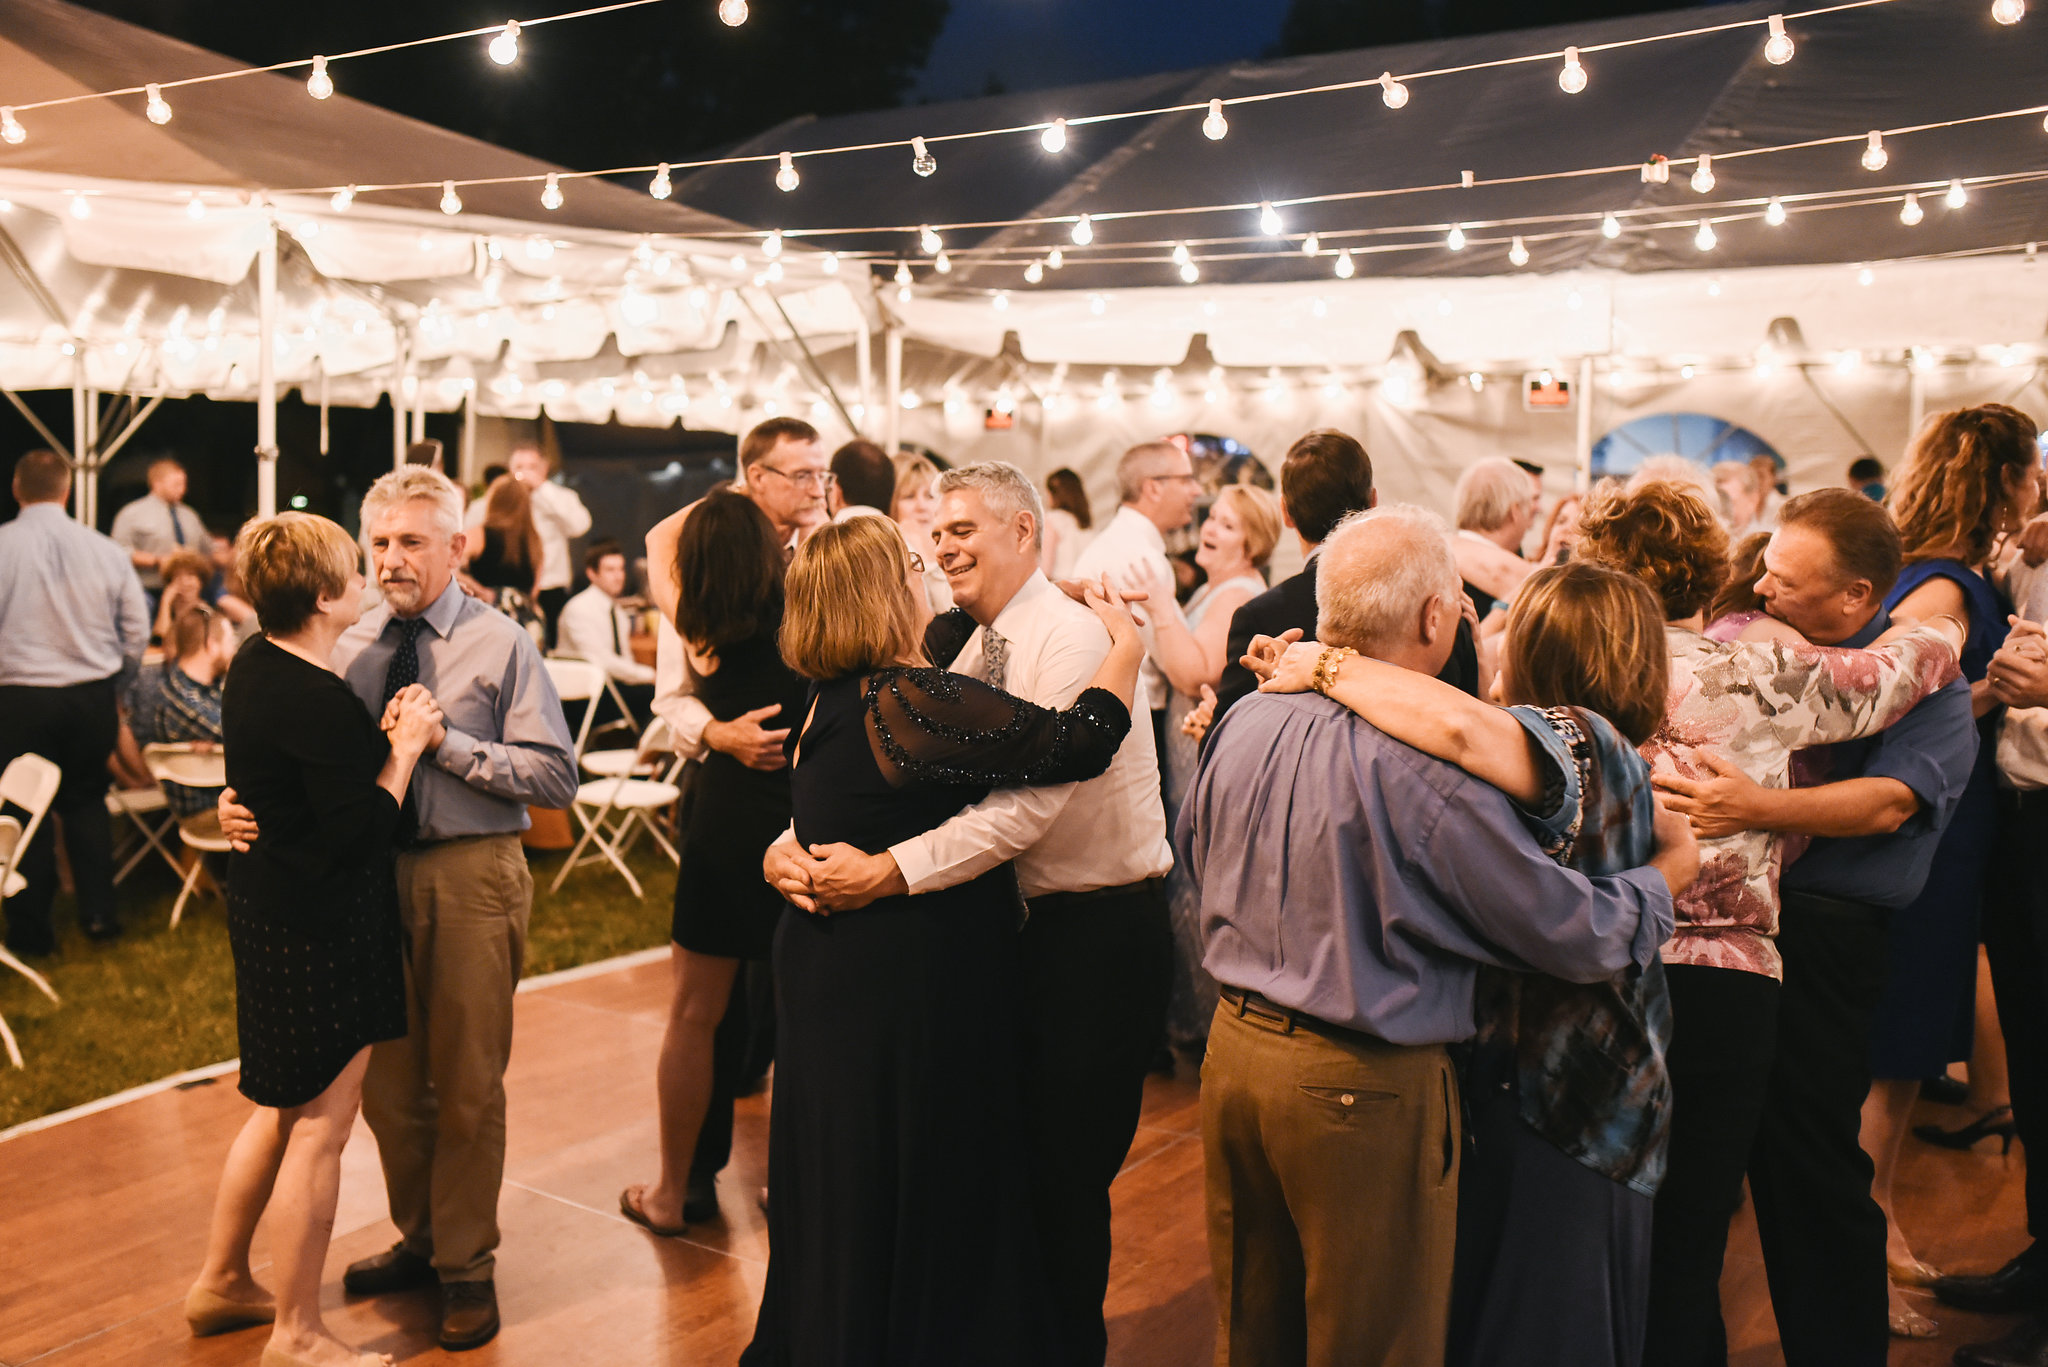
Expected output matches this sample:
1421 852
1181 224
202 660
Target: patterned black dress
312 906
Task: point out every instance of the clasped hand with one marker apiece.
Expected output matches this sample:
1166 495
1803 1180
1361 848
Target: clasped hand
413 721
2019 671
828 878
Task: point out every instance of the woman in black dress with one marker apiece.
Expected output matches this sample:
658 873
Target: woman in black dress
729 565
505 558
900 1234
313 924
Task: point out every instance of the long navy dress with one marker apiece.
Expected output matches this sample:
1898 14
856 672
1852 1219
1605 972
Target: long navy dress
900 1228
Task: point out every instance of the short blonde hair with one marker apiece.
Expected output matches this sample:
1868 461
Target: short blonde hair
1258 512
409 482
288 563
1489 492
846 601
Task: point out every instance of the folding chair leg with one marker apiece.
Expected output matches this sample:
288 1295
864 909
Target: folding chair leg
7 958
13 1049
184 893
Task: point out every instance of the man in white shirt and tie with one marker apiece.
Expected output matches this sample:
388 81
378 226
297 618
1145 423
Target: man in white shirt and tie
595 628
1090 858
159 523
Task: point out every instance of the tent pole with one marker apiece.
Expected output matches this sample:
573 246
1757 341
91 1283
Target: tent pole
465 460
92 458
1583 480
266 372
892 384
81 460
33 421
864 365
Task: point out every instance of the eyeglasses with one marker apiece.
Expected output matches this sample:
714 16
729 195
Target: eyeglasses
803 479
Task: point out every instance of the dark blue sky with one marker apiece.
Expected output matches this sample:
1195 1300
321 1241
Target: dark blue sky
1030 44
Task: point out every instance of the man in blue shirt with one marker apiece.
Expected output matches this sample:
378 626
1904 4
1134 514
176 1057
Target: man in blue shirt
73 618
1875 816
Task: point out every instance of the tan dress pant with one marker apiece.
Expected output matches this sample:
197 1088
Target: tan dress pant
436 1099
1332 1195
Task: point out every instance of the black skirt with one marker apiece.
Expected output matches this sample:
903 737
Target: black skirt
731 815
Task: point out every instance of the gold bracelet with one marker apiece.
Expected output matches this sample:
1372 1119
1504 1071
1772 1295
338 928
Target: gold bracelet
1327 664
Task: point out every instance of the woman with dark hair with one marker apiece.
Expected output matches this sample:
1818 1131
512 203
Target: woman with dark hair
729 562
1067 522
505 555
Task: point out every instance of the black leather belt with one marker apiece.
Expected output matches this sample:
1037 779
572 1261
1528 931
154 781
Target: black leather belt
1251 1004
2023 799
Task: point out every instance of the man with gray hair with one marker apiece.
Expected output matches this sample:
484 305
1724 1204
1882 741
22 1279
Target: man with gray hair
1496 501
1350 889
436 1099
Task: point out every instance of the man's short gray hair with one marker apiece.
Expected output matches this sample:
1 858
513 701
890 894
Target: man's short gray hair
1004 489
1489 492
410 482
1150 460
1376 572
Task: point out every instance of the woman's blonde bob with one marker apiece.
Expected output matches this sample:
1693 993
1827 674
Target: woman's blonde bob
847 604
288 563
1582 635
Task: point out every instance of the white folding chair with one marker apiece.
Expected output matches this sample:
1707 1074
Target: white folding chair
149 816
577 681
646 759
632 800
200 832
30 783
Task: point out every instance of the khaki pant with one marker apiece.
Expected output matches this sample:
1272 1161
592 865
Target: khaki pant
1332 1194
436 1099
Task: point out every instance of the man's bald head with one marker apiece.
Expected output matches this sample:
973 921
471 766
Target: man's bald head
1386 586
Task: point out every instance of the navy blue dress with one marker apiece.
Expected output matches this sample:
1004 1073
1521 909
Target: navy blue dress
1925 1020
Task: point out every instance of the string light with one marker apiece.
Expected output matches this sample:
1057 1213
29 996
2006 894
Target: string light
1056 258
1311 245
1392 92
1054 138
1190 272
1215 125
1705 239
10 128
732 13
1778 47
1610 226
1875 157
786 178
660 187
771 246
320 85
1034 273
1456 240
81 207
1703 174
943 264
903 273
343 197
829 263
1572 79
1098 306
1001 301
1957 195
930 241
1083 234
158 110
1269 219
1181 256
451 203
551 197
921 160
1519 251
195 208
504 48
1774 212
1910 213
2009 11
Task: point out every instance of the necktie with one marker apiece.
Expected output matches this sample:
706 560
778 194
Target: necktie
177 527
403 670
618 646
996 651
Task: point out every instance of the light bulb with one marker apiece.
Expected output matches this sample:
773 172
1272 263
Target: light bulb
2009 11
1054 138
11 129
1190 272
1034 273
156 108
343 197
1392 91
319 85
1311 245
1778 47
660 187
786 178
1866 276
943 264
1703 174
1056 258
1215 125
1181 256
1097 305
1610 226
504 48
195 208
81 207
1704 239
921 160
1001 301
451 203
829 263
930 241
1957 195
774 272
551 193
1910 212
1774 212
903 297
1519 251
1456 239
1083 234
903 272
732 13
1345 267
1269 219
771 246
1874 155
1572 79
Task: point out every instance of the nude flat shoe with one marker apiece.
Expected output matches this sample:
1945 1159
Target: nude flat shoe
1912 1273
278 1357
211 1313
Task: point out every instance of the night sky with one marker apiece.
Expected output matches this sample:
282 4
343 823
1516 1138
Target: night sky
1030 44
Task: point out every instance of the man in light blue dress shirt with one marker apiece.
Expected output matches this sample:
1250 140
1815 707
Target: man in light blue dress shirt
73 618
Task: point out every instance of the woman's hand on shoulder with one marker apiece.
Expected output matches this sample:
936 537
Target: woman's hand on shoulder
1108 604
1262 656
1292 671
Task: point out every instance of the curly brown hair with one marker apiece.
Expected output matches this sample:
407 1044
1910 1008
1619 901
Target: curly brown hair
1954 489
1664 534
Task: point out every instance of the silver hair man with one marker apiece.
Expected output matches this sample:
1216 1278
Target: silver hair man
1380 571
407 483
1004 489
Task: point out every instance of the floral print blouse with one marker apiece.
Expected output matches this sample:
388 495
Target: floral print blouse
1753 703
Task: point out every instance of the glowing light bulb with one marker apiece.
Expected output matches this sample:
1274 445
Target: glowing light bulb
1456 239
504 48
2009 11
1215 125
1778 47
319 85
771 246
1345 267
1572 79
1866 276
1519 251
943 264
1054 138
732 13
1001 301
81 207
903 272
930 241
786 178
1774 212
1098 305
11 129
1181 256
195 208
921 159
774 272
1875 157
1392 92
1190 272
660 187
156 108
1311 245
1703 174
1910 212
1083 234
1610 226
903 297
1034 273
551 193
1269 219
1704 239
343 197
451 203
829 263
1055 258
1957 196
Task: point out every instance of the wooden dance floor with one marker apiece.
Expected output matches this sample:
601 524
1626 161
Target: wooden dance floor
103 1220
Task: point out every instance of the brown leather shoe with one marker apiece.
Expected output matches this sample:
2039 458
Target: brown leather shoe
397 1268
469 1314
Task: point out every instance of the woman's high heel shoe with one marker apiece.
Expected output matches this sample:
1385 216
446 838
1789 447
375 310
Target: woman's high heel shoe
1996 1121
210 1313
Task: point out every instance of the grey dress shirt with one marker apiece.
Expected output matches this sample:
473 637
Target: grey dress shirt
1352 878
71 609
508 745
152 525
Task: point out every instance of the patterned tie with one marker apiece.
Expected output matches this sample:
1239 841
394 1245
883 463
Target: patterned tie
996 651
404 670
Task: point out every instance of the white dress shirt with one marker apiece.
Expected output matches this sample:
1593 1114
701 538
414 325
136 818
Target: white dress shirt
1130 539
2023 735
149 524
1075 837
594 627
559 516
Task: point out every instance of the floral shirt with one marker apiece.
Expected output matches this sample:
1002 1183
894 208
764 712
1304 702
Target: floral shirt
1753 703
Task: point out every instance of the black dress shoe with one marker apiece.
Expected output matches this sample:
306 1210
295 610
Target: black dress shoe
2026 1346
397 1268
2021 1286
469 1314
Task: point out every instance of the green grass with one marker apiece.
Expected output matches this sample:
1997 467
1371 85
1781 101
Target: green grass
158 1001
